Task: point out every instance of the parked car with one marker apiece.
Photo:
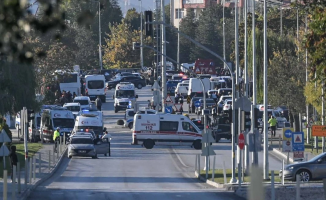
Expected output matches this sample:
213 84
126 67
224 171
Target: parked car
222 131
209 104
220 102
314 169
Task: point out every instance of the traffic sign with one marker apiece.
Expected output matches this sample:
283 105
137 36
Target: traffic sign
311 121
4 137
197 104
298 155
168 109
241 141
168 99
287 146
298 141
318 130
178 107
287 133
188 99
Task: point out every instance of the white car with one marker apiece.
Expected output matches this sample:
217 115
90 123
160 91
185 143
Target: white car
84 102
227 105
73 107
182 89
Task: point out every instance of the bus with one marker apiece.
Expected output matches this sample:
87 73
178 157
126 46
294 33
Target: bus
68 81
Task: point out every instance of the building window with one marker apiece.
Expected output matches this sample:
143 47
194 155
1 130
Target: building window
178 13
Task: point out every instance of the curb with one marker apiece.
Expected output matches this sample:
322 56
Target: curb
281 154
217 185
27 192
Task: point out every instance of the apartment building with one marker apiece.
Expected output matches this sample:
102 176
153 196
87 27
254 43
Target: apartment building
179 7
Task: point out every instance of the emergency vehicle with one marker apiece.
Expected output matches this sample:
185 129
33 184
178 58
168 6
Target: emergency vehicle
124 92
130 113
152 129
204 66
95 86
89 121
53 117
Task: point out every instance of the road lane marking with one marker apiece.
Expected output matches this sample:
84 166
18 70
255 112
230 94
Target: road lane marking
180 160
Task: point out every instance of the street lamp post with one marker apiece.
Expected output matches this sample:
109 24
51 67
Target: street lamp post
163 63
224 56
141 36
100 37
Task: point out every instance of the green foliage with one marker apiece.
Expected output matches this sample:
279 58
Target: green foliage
133 18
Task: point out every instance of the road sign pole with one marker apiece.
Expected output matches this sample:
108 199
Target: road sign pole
322 114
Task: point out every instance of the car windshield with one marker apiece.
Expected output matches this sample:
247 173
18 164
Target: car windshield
82 141
98 130
73 108
210 101
125 93
82 102
63 122
177 77
97 84
314 159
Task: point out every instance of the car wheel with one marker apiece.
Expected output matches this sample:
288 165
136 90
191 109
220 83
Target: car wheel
148 144
305 175
197 144
94 157
130 125
217 139
139 86
69 157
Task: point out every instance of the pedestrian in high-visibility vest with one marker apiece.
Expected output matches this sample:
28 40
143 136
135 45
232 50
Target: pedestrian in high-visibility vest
272 122
56 136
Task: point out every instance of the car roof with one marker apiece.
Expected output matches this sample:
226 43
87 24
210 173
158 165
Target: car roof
72 104
81 98
82 136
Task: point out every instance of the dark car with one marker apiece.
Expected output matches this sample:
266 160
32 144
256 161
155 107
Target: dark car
284 111
139 82
222 131
171 86
198 123
314 169
209 105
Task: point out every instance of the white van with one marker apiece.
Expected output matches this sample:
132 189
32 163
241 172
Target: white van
89 121
92 112
182 89
54 117
165 129
195 86
124 92
95 86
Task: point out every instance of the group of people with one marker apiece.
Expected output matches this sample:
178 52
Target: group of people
64 97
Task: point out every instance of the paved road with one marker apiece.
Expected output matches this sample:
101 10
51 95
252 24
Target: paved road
131 173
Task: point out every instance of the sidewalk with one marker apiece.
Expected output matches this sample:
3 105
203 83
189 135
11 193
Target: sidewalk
41 173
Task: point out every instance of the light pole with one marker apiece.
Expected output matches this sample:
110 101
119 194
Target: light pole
266 172
178 49
246 93
141 36
163 63
224 33
100 37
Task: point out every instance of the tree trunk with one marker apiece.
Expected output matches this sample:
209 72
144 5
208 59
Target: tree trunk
296 123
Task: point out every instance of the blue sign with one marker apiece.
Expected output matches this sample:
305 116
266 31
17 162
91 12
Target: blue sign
197 104
288 133
298 141
168 109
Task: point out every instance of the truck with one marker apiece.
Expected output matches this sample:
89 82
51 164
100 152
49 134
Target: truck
95 86
204 66
124 93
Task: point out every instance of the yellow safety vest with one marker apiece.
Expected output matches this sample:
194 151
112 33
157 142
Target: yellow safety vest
56 134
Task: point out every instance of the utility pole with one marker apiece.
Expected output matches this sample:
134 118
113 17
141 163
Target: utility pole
224 33
233 178
281 21
307 106
100 37
141 36
179 15
246 93
266 163
163 63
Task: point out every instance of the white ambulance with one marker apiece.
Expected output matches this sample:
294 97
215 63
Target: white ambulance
124 92
54 117
165 129
95 86
89 121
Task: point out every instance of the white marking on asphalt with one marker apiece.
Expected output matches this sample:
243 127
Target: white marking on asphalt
179 158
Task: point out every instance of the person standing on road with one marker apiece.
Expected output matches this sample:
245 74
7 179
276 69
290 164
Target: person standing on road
272 122
107 136
98 103
13 160
56 137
